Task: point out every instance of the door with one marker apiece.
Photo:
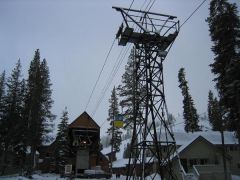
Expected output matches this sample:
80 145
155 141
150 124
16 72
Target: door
82 160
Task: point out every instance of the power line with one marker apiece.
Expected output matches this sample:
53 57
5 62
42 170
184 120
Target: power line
193 12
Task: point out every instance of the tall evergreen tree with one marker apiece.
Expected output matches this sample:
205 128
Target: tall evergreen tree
224 27
214 112
189 111
2 94
126 91
38 105
2 88
47 102
62 146
130 92
11 120
112 113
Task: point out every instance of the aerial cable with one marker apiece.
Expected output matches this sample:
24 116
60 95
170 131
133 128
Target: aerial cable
115 70
95 85
123 57
193 12
151 5
107 85
110 80
107 82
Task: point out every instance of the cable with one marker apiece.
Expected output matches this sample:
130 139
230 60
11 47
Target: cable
151 5
109 81
95 85
115 69
193 13
106 90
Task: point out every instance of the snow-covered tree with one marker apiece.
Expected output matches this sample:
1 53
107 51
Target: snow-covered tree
189 111
112 113
12 124
224 27
38 103
126 91
62 148
214 112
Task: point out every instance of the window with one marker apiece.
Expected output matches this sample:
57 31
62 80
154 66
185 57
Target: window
233 148
192 162
203 161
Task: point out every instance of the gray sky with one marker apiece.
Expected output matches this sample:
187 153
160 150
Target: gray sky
75 35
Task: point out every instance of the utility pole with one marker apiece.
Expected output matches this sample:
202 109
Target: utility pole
153 37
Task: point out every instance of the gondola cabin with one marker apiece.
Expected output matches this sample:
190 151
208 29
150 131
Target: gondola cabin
118 121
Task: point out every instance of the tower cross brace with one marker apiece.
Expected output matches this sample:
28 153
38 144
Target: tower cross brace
151 147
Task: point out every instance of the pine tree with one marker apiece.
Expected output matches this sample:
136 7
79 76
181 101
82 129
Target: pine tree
189 111
62 146
126 91
2 94
11 120
130 92
38 105
214 113
2 89
224 27
112 113
47 102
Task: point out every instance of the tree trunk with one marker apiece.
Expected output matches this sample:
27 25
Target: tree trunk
224 155
4 160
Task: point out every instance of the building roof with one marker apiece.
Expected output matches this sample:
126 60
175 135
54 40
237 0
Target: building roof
185 140
213 137
84 121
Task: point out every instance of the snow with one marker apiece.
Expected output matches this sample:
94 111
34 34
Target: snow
234 177
157 177
34 177
213 137
183 139
57 177
120 163
123 146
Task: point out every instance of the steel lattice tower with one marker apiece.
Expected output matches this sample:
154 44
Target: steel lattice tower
151 148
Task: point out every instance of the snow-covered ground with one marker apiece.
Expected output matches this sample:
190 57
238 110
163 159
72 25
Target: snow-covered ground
57 177
234 177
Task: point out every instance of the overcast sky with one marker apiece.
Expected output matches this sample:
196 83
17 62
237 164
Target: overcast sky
75 35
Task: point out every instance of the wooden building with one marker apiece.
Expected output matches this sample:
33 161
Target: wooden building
84 137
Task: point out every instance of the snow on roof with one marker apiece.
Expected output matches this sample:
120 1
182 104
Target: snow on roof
213 137
183 139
